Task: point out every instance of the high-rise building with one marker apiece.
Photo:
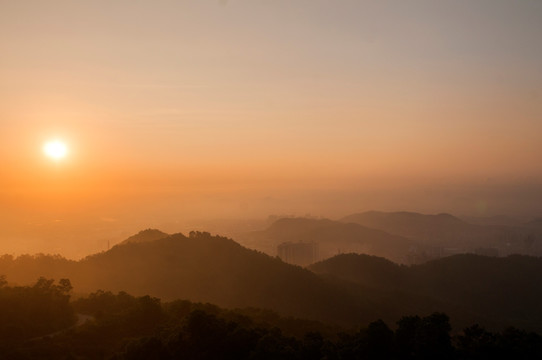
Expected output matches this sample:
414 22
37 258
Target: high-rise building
301 253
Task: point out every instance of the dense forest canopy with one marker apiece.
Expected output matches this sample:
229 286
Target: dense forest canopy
122 326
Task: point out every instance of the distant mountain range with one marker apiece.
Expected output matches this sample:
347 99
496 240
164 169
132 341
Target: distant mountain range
499 220
404 237
428 228
453 235
332 237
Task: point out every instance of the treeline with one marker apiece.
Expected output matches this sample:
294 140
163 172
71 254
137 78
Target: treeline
206 336
29 311
122 326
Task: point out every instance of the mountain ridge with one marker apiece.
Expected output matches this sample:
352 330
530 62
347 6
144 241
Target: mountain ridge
445 231
506 290
332 237
204 268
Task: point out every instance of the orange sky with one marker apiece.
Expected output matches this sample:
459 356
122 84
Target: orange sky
212 108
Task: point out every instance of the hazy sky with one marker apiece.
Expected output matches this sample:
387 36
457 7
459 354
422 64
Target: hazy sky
241 108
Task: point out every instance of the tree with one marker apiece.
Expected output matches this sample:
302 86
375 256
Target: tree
380 340
65 286
424 338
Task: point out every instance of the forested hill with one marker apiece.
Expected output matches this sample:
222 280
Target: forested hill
204 268
38 322
146 236
495 290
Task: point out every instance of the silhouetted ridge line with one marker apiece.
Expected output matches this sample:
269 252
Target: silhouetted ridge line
445 234
145 236
207 268
495 291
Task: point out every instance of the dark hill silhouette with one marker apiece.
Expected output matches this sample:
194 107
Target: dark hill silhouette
489 285
146 236
363 269
494 291
207 268
333 237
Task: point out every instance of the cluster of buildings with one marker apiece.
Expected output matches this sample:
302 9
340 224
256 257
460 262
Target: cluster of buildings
299 253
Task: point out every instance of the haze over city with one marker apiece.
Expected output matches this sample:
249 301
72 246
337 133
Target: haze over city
176 114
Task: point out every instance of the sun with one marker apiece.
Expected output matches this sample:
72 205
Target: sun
55 149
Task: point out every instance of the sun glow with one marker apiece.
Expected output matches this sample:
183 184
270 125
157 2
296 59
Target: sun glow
55 149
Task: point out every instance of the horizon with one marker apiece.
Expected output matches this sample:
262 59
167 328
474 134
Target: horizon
122 116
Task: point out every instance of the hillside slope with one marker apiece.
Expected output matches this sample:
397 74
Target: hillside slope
205 268
494 291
